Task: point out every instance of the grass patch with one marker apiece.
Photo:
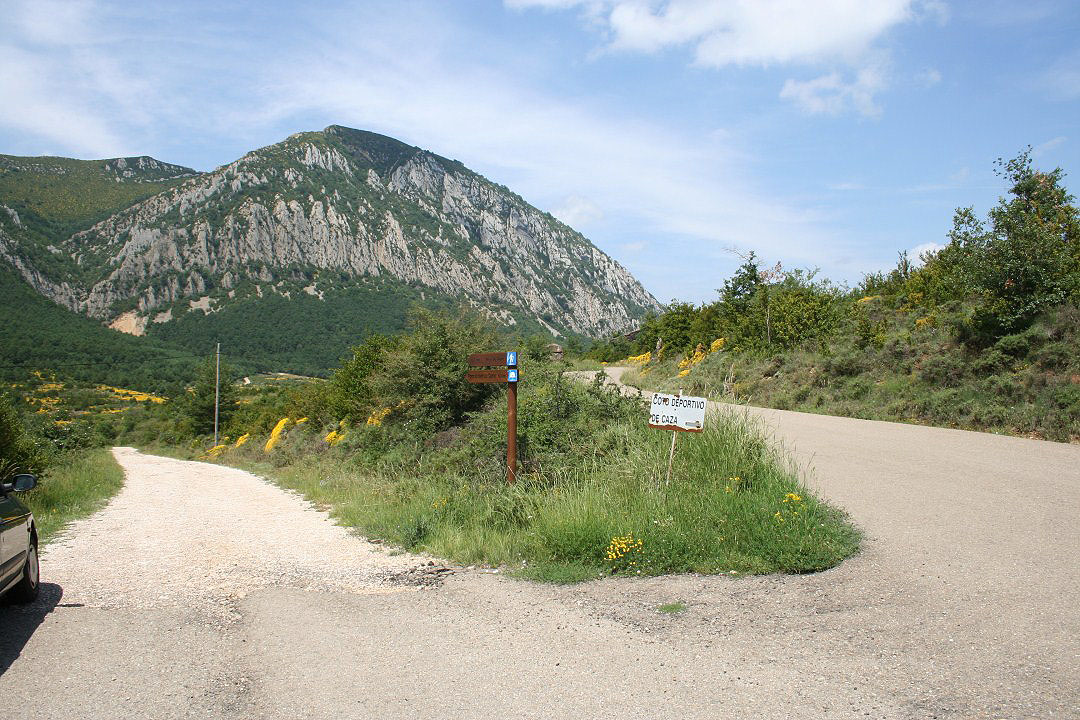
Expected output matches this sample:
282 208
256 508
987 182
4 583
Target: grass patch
77 486
672 608
591 499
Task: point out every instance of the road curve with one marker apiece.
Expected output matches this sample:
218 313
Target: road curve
960 606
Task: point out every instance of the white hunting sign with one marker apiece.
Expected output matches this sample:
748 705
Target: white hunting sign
677 412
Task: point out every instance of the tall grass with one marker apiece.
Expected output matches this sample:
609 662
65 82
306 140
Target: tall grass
79 484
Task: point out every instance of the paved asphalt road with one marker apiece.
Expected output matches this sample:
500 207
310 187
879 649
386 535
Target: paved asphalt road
963 604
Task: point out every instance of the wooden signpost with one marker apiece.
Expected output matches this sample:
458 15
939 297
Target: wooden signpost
506 372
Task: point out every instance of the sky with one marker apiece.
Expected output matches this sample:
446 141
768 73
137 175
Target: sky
677 135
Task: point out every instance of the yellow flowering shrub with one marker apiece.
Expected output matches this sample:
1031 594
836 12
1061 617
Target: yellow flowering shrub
717 345
275 434
242 439
643 359
377 416
688 362
125 394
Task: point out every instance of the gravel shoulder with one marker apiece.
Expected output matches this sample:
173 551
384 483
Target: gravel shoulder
205 591
201 537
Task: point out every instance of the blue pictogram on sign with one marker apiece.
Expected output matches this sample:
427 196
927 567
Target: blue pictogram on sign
511 375
511 358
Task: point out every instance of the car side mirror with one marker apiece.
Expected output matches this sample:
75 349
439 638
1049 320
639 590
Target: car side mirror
23 482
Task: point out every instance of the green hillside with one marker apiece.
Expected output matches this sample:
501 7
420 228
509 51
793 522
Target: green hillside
298 334
50 198
37 334
67 195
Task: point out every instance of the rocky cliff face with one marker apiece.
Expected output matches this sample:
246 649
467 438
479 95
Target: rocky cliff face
325 209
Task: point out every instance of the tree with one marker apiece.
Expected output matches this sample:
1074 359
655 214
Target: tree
1025 259
420 378
197 405
739 290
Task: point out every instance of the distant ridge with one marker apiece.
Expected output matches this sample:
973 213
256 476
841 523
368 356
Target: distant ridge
325 217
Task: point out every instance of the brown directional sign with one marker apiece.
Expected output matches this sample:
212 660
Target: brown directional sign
487 376
504 370
495 359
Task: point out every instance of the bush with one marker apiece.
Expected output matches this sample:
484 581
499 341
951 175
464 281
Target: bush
18 452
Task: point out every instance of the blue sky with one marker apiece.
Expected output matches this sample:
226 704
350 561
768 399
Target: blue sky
675 134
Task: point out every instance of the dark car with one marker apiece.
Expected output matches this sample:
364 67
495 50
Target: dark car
18 542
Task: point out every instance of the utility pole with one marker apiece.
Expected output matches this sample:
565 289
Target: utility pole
217 390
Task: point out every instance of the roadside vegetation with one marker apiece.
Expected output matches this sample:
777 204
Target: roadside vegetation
983 334
76 474
76 486
397 444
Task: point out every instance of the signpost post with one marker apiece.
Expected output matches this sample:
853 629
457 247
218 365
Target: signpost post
676 413
506 372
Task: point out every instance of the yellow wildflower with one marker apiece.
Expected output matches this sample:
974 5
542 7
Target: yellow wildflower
242 439
377 416
624 551
699 354
275 434
301 421
717 345
334 437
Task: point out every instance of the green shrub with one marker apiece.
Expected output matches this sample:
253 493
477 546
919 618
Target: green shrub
18 452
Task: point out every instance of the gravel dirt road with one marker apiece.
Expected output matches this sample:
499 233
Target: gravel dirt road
202 591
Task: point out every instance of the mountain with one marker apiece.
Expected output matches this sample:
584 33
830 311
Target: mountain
349 226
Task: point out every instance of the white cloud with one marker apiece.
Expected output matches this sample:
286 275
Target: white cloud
745 32
831 94
578 212
70 121
723 33
64 83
